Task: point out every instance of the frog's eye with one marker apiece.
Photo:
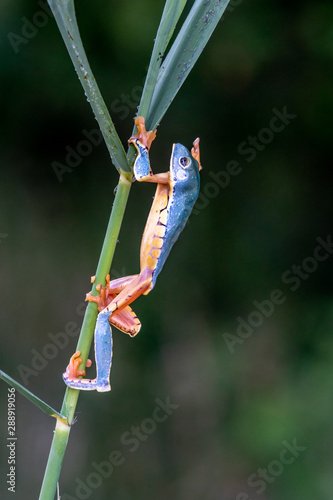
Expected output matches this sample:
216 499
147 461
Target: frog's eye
184 161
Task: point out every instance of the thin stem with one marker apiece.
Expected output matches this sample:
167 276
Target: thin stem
53 468
62 431
64 13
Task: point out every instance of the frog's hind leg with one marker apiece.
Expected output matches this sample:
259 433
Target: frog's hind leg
140 285
103 355
125 318
108 292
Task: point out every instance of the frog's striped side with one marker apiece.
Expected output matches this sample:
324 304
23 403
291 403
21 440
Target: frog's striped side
184 185
176 194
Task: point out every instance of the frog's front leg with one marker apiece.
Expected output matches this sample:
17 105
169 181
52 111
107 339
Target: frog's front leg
103 356
142 142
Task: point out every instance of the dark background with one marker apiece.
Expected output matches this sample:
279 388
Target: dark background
242 403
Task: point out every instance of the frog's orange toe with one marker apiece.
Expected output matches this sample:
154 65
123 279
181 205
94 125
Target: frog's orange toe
72 370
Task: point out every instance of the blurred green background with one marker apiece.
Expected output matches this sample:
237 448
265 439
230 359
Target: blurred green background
254 419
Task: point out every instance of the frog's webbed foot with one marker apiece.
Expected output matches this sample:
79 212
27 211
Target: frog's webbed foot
104 296
143 136
72 371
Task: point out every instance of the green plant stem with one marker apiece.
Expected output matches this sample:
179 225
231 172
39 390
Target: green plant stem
53 468
64 13
61 433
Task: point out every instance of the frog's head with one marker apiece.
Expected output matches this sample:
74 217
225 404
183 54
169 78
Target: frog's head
185 165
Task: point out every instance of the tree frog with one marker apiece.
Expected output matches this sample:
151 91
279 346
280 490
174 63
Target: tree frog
176 193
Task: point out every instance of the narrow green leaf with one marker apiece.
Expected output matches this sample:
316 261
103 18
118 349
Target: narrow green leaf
189 44
64 14
171 14
34 399
172 11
